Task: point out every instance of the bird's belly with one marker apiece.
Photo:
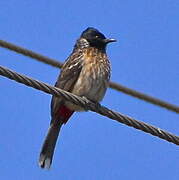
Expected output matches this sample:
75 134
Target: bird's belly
93 90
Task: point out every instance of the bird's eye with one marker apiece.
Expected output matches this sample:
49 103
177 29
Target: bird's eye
96 36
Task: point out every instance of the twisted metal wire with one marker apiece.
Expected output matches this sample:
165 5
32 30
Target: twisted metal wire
112 85
88 105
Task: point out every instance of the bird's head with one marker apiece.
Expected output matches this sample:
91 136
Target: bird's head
95 38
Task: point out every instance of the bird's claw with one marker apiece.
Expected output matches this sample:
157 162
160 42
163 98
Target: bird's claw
97 105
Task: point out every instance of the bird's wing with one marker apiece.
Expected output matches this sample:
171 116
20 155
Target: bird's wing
67 79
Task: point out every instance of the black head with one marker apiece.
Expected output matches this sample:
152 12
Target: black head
96 38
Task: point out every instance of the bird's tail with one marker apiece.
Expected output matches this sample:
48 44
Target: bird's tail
48 147
46 154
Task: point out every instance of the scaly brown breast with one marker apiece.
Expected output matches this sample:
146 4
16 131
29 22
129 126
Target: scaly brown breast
94 77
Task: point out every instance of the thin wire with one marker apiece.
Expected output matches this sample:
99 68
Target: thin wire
145 97
112 85
88 105
31 54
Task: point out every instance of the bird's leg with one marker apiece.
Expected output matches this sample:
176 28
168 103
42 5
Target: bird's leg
96 105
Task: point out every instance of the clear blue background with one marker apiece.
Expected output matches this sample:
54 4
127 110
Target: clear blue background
91 147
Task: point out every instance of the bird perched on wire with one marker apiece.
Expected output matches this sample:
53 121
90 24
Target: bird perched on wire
85 73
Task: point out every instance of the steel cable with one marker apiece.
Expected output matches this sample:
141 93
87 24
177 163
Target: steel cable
88 105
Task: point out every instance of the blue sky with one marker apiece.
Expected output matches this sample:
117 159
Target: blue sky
91 147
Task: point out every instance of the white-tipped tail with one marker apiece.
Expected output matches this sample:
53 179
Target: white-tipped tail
48 147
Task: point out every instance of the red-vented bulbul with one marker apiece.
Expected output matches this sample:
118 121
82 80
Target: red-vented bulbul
86 73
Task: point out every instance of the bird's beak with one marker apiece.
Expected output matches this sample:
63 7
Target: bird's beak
109 40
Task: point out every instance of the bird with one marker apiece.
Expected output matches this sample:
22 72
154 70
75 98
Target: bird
85 73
